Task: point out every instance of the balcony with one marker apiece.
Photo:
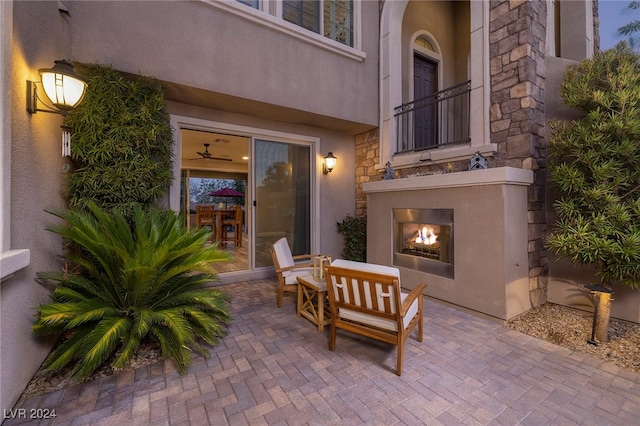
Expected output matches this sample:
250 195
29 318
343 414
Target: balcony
438 120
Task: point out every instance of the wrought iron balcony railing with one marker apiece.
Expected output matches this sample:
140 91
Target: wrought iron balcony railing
437 120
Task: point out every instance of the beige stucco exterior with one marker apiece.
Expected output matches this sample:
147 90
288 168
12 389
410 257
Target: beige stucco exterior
227 67
223 65
32 182
214 53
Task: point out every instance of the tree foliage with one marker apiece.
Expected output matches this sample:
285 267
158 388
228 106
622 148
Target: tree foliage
277 174
200 188
122 142
138 277
595 164
632 27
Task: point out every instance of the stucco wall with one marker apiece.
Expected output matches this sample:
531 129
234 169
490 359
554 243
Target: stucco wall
223 68
215 55
491 273
40 36
200 46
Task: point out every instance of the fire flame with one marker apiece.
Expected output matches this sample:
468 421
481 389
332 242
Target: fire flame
426 236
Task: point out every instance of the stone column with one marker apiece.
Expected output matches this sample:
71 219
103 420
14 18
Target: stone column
367 156
517 36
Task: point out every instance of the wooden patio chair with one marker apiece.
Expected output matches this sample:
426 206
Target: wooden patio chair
287 269
366 299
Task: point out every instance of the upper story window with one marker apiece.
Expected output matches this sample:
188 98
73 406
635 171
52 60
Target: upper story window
305 13
252 3
336 19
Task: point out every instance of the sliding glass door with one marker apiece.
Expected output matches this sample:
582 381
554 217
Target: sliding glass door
282 182
275 171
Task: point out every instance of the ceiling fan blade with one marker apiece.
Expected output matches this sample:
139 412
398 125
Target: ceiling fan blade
206 155
210 158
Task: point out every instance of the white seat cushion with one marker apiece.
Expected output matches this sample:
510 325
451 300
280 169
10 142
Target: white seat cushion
380 322
367 267
291 277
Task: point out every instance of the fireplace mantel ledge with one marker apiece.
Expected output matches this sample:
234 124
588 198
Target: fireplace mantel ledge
495 176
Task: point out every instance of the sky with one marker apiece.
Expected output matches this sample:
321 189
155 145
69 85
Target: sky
614 14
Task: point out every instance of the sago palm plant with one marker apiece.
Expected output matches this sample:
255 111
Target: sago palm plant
135 277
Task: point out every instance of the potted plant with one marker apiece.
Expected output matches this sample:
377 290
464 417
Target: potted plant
354 230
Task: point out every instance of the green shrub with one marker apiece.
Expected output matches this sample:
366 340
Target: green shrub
354 230
121 142
138 276
595 164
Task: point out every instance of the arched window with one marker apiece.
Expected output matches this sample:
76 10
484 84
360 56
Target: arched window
423 42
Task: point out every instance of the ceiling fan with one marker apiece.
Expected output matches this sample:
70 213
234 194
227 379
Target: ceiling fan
206 155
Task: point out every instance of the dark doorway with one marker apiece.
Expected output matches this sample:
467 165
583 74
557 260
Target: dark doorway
425 84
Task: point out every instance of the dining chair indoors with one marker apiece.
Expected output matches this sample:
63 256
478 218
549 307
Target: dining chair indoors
205 217
232 223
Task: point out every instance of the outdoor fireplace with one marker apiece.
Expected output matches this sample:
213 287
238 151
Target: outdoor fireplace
489 208
423 240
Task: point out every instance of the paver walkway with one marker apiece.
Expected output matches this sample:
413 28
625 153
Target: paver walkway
275 368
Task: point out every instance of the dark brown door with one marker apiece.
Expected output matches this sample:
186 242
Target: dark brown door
425 84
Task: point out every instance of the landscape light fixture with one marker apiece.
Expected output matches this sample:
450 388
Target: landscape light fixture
62 87
329 163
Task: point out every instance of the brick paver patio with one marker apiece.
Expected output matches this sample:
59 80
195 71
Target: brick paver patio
275 368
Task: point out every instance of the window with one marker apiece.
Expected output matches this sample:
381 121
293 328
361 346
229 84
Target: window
336 19
424 42
305 13
252 3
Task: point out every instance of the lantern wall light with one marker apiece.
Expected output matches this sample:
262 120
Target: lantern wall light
329 163
62 87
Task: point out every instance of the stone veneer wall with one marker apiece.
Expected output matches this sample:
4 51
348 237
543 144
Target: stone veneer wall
517 35
596 23
367 157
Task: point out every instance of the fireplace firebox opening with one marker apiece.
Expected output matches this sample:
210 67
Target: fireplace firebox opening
423 240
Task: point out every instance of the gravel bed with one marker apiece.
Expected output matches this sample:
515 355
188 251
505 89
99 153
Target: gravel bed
49 381
571 328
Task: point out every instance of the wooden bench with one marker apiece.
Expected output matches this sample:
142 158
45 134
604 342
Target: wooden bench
366 299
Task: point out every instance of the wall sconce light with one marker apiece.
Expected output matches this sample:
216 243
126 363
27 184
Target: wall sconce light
329 163
61 85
